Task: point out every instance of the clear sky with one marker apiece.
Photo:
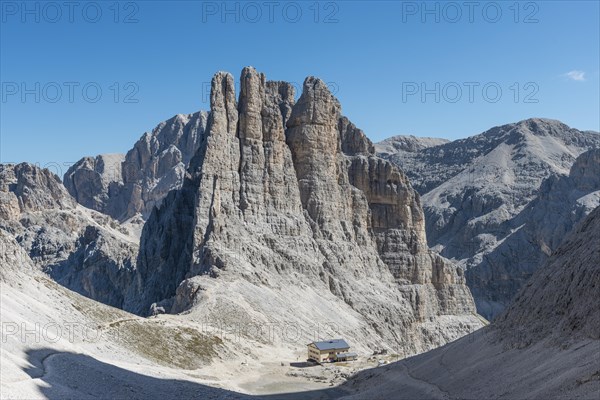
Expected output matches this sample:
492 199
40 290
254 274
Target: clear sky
397 67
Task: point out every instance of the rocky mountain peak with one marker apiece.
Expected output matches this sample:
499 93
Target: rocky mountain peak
83 249
285 195
316 105
533 131
541 126
223 105
313 130
281 200
353 140
130 185
488 199
406 143
26 187
252 97
586 170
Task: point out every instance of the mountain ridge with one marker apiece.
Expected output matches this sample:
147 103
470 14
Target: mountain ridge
345 215
131 186
545 345
481 190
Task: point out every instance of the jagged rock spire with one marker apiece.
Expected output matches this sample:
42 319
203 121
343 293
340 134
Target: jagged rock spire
284 195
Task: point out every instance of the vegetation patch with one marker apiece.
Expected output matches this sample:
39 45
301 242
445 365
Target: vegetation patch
171 346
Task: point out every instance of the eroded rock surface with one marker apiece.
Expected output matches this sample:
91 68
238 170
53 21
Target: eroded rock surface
286 207
544 345
82 249
498 203
130 185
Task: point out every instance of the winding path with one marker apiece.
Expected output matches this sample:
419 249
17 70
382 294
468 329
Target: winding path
425 385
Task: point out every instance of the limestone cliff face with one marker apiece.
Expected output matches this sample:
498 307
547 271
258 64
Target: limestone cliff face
27 188
82 249
532 235
95 181
500 202
543 346
130 185
284 198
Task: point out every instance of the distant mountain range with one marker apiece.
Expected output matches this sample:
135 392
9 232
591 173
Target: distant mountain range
544 346
126 186
271 212
499 202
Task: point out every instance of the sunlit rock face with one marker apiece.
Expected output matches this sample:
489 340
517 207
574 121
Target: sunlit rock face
286 197
500 202
126 186
82 249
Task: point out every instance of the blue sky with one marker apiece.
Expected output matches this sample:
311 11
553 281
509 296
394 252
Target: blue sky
395 69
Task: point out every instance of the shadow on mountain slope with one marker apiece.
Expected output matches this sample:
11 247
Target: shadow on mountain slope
67 375
71 375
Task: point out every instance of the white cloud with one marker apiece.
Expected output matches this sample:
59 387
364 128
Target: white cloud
576 75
